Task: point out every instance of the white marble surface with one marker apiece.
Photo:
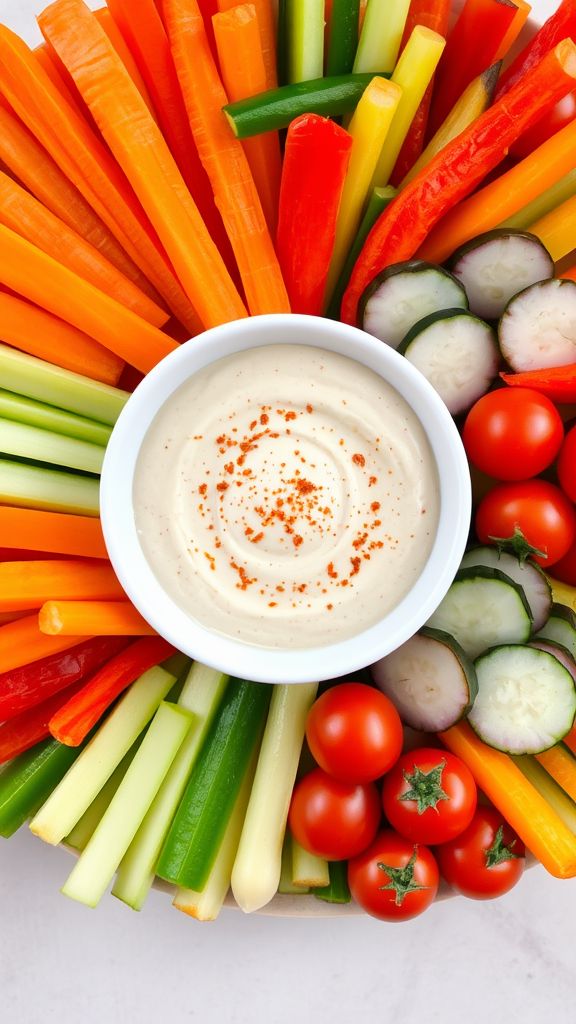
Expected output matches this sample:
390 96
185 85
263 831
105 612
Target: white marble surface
507 961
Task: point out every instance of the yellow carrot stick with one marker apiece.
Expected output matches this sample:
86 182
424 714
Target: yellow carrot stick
529 814
560 764
557 230
381 35
413 74
105 618
369 128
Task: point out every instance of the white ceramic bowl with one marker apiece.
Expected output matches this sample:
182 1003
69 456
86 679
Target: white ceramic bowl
247 660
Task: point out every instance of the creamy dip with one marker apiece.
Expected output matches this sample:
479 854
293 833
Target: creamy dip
286 496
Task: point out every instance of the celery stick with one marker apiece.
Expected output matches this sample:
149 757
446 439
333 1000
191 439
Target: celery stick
554 795
256 870
50 489
381 35
47 417
305 20
91 771
27 375
282 42
95 869
379 200
307 869
286 886
202 695
27 781
28 442
337 891
547 201
85 828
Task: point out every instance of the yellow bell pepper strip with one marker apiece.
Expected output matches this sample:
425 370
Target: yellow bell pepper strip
563 593
377 203
381 35
557 229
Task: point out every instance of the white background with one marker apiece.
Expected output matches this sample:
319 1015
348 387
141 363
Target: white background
508 961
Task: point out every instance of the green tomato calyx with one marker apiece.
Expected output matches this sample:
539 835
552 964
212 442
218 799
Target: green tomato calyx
425 787
499 852
401 880
517 545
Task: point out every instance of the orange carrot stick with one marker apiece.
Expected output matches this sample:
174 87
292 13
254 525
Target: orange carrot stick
239 46
570 274
140 149
106 21
224 159
560 763
30 272
29 584
85 160
102 618
504 196
6 617
34 330
22 642
56 532
515 28
24 214
267 27
57 75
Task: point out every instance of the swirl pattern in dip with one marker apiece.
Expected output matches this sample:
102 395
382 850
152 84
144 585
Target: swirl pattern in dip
286 496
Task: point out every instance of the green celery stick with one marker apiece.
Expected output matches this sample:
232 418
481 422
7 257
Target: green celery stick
34 378
27 781
305 23
547 201
95 869
286 886
91 771
85 828
381 35
26 442
337 891
343 41
50 489
307 869
47 417
201 696
377 203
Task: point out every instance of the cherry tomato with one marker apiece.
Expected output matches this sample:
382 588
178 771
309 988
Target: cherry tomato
513 433
393 879
334 820
565 569
567 465
539 509
429 796
354 732
486 861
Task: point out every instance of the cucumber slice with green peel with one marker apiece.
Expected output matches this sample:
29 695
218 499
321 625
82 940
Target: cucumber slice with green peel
527 574
457 353
495 266
430 680
563 655
483 608
526 700
402 294
538 328
27 781
560 628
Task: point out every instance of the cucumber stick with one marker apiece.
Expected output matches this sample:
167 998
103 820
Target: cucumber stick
38 414
26 442
91 771
338 891
201 696
256 872
198 828
307 869
95 869
51 489
29 779
85 828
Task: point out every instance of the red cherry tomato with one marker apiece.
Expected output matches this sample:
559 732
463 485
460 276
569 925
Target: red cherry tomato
540 510
513 433
429 796
565 569
354 732
394 879
486 861
334 820
567 465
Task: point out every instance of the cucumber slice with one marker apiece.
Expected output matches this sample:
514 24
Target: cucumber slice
564 656
483 608
538 328
457 353
560 628
526 700
430 680
528 575
402 294
496 266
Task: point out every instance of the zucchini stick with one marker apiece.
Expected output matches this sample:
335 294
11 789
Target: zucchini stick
26 442
381 35
257 866
338 891
91 771
28 780
305 23
307 869
50 489
85 828
38 414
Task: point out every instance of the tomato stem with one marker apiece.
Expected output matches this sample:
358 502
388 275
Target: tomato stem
425 787
499 852
517 545
401 880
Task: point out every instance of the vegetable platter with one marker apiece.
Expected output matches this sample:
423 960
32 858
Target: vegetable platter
170 166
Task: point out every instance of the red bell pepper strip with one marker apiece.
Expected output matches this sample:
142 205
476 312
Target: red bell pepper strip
457 169
560 25
471 48
29 685
315 164
74 720
558 382
31 726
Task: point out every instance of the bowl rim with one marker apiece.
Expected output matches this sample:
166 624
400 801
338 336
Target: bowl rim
279 665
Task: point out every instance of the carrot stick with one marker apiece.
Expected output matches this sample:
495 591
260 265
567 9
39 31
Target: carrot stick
22 642
504 196
139 147
538 826
24 214
56 532
102 618
106 21
6 617
224 159
31 726
30 584
57 74
85 160
74 721
34 330
560 25
267 28
30 272
560 763
523 10
239 46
